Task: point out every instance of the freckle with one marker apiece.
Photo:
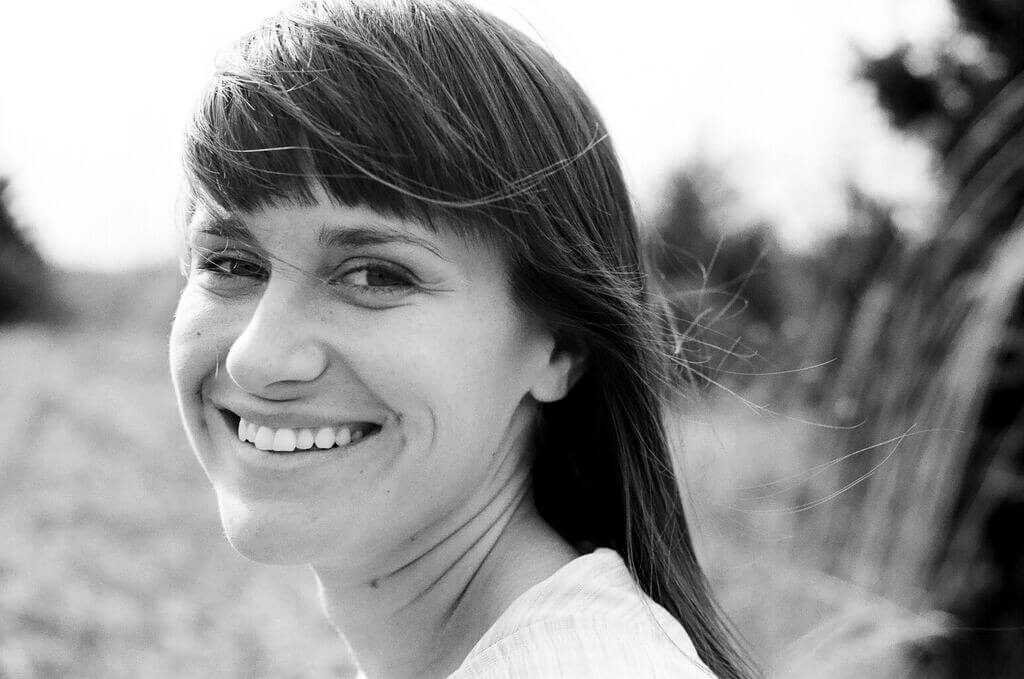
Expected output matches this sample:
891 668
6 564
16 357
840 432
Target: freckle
375 583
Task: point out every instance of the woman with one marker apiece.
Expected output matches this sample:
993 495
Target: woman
417 351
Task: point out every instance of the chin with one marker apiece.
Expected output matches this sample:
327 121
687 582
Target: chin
275 535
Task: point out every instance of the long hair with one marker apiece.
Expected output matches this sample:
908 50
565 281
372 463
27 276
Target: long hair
441 112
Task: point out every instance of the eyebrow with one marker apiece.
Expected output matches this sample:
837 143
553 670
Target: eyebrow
355 236
327 236
227 227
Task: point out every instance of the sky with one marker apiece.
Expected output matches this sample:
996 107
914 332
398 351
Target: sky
95 95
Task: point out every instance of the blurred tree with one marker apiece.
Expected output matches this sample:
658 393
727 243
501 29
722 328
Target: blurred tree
838 274
719 274
955 301
25 286
856 256
965 96
942 89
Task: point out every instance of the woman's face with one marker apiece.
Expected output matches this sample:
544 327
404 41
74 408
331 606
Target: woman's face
334 323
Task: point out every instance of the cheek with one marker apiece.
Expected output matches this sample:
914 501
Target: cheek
194 342
469 367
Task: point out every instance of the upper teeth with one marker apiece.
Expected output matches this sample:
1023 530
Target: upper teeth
285 439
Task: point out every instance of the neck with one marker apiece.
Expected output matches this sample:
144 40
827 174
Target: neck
425 614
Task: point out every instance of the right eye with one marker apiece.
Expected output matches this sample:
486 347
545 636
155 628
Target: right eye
222 270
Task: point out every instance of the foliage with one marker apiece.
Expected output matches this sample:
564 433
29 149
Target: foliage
942 89
720 276
828 286
930 369
25 290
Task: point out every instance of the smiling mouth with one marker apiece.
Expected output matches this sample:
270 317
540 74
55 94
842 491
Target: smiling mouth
286 440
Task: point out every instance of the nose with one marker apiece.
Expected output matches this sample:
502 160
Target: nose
277 351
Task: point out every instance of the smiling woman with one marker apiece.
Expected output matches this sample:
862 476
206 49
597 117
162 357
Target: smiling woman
418 351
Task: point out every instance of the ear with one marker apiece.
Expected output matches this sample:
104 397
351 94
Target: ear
562 371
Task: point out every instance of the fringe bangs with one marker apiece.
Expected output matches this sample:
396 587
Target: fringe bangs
356 108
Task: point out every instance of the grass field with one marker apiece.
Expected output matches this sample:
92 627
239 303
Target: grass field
113 563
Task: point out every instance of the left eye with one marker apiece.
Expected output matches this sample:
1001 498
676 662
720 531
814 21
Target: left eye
378 277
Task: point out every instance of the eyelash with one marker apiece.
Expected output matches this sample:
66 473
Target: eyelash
221 266
404 285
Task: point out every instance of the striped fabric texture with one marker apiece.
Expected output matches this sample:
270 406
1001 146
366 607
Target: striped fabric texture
589 620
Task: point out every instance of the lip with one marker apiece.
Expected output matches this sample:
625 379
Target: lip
294 420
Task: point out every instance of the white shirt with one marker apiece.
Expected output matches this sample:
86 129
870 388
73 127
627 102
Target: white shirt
590 620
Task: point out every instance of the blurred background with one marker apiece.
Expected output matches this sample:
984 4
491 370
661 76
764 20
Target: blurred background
836 195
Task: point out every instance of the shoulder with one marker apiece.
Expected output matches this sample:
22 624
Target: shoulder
576 649
589 620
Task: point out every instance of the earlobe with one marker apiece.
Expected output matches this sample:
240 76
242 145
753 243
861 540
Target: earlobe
559 376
